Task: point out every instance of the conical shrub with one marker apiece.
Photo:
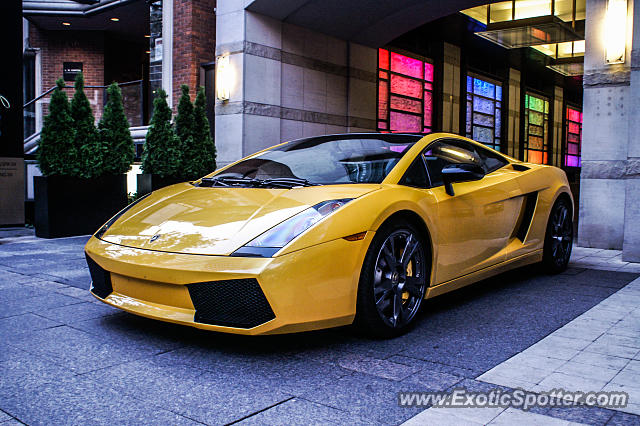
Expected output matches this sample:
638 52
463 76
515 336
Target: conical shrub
90 162
161 154
119 151
199 157
57 154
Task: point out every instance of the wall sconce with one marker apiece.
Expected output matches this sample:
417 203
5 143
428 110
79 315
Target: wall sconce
615 41
224 78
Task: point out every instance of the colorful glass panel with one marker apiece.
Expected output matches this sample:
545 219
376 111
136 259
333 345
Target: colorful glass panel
405 93
573 133
484 106
536 137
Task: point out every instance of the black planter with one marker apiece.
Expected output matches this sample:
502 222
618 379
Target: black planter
148 182
66 206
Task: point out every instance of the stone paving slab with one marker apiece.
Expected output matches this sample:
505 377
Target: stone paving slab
67 358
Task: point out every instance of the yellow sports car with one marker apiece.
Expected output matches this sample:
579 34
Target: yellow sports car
331 230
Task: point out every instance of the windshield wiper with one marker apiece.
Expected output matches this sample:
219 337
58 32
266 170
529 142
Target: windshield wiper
280 182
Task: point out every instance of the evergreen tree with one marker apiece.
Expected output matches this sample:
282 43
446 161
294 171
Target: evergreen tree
56 152
161 155
200 156
184 119
86 141
115 136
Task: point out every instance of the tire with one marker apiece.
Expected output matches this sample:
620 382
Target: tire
391 287
558 239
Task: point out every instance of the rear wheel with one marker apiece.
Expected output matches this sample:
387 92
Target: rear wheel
393 281
558 239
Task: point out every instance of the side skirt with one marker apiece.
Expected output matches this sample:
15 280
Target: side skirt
525 259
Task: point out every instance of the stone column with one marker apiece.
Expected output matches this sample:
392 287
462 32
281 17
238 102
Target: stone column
558 130
451 89
513 121
289 82
631 243
607 115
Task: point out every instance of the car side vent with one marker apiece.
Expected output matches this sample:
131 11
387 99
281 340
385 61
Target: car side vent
100 279
530 202
520 167
231 303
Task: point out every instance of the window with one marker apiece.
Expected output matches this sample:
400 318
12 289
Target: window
536 125
405 93
416 175
484 108
573 137
327 159
443 153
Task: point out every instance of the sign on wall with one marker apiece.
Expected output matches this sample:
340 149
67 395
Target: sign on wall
70 70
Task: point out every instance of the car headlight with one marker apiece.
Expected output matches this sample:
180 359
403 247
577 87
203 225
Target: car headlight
268 243
111 221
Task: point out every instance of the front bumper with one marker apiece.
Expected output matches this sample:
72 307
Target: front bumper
305 290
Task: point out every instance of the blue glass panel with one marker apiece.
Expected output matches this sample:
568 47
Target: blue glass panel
483 105
483 88
498 122
469 85
468 117
483 120
498 93
483 135
497 145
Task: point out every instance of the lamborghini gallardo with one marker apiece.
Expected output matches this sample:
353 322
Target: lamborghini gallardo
329 231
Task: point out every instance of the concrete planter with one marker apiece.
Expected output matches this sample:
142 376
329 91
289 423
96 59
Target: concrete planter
150 182
66 206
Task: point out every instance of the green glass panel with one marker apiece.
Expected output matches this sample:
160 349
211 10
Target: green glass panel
536 118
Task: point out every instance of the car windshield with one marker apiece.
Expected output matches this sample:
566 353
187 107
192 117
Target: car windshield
325 160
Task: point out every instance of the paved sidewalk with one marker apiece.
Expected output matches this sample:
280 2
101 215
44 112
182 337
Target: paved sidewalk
66 358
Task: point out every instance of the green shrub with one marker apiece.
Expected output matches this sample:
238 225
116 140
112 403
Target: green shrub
184 119
90 162
161 154
57 154
202 153
119 151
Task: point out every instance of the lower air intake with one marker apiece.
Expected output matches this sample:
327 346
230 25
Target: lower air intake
100 279
230 303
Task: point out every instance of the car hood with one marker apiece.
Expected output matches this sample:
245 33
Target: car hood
216 221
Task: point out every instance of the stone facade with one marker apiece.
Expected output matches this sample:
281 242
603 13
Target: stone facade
610 188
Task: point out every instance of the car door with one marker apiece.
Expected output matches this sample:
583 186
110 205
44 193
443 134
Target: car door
475 224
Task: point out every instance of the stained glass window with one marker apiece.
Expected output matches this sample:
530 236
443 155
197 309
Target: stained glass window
536 125
484 108
573 137
405 93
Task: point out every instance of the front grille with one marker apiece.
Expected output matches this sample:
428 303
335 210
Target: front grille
231 303
100 279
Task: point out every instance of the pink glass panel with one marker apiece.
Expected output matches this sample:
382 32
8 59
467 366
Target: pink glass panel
428 86
572 148
574 128
428 107
428 71
384 75
405 65
405 104
574 115
383 101
572 161
573 138
406 86
383 59
405 122
382 124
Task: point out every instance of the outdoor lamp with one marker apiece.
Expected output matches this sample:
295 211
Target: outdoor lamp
615 31
224 78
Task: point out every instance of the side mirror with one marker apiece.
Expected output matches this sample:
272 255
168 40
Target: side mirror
462 172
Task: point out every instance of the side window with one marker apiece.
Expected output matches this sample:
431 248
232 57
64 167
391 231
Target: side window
441 154
416 175
490 160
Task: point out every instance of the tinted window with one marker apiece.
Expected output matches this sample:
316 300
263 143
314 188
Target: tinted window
441 154
328 159
448 152
415 175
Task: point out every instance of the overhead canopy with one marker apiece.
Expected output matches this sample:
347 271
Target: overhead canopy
370 22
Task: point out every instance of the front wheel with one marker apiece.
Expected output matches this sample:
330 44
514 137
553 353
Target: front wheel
393 281
558 239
